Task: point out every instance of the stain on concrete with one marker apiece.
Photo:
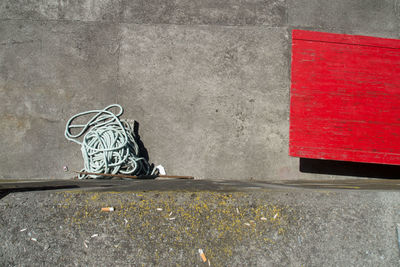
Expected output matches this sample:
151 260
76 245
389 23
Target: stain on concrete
215 222
254 227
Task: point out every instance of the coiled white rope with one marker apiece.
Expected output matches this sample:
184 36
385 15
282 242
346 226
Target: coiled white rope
109 144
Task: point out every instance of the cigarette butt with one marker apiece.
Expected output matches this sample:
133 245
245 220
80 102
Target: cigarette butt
107 209
263 218
202 255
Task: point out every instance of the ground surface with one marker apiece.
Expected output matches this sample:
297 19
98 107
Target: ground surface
208 81
166 222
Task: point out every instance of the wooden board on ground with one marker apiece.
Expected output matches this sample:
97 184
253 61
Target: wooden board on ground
345 98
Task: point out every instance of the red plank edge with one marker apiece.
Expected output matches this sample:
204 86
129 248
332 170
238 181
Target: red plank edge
345 97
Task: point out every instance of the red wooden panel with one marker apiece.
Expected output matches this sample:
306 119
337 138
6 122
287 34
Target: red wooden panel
345 97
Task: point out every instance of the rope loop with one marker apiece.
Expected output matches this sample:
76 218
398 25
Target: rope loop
109 145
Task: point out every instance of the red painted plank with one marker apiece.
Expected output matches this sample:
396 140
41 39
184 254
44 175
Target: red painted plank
345 97
345 38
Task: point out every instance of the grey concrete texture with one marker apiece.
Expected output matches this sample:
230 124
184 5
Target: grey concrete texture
359 15
47 70
280 227
207 81
209 89
225 12
26 9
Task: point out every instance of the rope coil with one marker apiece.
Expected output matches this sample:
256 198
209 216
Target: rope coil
109 144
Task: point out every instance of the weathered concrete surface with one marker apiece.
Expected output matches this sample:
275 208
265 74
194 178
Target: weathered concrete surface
225 12
47 69
357 16
208 82
25 9
220 92
264 227
89 10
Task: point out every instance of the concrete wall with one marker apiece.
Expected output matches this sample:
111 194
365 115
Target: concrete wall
208 81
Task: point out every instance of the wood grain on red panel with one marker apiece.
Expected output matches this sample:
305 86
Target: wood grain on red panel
345 97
